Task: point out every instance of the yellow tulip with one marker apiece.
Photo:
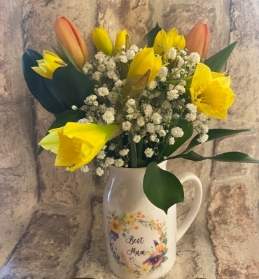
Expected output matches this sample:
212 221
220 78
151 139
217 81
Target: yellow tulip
48 64
69 36
198 39
102 40
164 41
121 40
144 61
211 92
76 144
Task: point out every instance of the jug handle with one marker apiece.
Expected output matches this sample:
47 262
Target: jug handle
182 228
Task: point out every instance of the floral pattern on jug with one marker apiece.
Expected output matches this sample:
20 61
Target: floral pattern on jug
129 229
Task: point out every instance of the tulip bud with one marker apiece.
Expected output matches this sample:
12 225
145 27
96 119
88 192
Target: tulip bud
102 40
198 39
121 40
69 36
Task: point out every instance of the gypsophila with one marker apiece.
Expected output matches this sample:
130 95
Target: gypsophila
177 132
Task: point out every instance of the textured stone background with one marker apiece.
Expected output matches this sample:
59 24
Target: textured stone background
51 221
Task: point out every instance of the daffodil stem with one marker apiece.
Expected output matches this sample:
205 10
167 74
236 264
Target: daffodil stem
133 153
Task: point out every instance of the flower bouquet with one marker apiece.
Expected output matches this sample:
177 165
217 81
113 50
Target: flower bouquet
132 107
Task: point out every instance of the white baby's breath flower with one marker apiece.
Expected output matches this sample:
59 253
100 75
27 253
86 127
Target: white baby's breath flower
171 141
152 85
141 121
113 97
134 48
153 137
109 161
124 152
131 102
163 73
180 61
101 155
126 126
101 68
130 110
99 171
177 132
156 118
112 147
162 133
172 94
137 138
149 152
203 138
191 107
97 75
111 65
108 115
123 58
119 163
148 110
180 89
171 54
150 127
118 83
84 169
166 105
102 91
130 54
195 57
190 116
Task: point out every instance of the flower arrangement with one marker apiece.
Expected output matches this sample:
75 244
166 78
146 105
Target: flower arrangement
132 107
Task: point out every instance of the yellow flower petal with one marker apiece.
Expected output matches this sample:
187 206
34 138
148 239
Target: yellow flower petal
161 42
121 40
211 92
102 40
76 144
175 40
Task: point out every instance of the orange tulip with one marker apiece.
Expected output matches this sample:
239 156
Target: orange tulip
69 36
198 39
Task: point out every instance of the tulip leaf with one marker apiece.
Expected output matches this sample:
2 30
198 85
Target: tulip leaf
218 60
214 134
233 157
40 87
151 35
135 85
63 118
162 188
72 86
68 55
188 131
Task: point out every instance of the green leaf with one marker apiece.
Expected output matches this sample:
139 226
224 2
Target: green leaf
62 119
162 188
72 86
188 131
214 134
152 34
70 59
218 60
234 157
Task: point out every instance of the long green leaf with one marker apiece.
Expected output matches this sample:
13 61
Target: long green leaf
214 134
62 119
72 86
234 157
152 34
68 55
161 187
218 60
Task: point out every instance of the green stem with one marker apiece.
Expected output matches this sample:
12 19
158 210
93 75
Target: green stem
133 153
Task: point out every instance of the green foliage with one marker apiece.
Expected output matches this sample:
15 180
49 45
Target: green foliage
152 34
72 86
218 60
161 187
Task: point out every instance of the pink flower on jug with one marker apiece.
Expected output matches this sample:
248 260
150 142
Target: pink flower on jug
155 259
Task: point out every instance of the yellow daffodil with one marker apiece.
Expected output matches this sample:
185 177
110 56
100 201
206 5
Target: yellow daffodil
211 92
164 41
102 40
144 61
48 64
68 34
198 39
121 40
76 144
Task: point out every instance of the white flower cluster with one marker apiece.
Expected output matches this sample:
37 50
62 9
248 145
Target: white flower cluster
148 119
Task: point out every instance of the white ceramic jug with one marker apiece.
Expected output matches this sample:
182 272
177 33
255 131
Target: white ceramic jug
141 238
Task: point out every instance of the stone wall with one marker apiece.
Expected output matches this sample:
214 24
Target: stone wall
51 220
